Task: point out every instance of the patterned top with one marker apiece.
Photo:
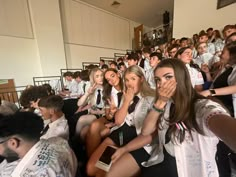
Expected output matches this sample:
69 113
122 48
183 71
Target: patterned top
194 157
48 158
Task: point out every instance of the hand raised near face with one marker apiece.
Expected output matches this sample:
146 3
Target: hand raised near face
128 95
92 88
166 90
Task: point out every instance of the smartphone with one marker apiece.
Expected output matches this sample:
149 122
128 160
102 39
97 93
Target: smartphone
104 161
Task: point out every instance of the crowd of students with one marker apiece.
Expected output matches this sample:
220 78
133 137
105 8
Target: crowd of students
169 111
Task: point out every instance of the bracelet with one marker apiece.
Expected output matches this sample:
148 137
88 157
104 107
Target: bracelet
157 109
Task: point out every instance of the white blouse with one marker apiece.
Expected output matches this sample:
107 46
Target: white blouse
194 157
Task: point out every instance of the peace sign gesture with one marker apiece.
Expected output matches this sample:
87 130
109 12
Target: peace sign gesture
92 89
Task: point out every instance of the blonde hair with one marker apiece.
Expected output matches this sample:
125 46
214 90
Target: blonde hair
92 73
145 90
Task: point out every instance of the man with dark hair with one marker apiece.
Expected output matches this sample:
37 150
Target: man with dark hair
30 97
101 63
155 58
133 59
51 109
203 37
145 58
113 64
26 155
122 68
68 76
183 42
210 33
172 50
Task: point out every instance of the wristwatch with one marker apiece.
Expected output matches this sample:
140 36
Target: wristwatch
212 92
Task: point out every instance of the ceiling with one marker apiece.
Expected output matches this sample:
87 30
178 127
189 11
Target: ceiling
147 12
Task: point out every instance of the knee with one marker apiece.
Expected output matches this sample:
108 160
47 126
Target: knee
90 169
95 126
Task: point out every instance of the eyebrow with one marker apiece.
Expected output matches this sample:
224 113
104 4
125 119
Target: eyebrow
167 74
163 75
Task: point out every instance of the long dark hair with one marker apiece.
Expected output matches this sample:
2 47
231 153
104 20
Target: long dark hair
107 87
184 100
192 64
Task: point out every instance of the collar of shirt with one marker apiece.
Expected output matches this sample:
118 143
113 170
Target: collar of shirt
114 91
54 123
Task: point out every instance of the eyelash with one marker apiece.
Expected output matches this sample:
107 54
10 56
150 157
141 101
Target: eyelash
166 77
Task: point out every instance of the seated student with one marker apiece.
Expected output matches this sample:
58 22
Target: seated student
189 127
101 63
217 41
145 57
155 58
68 80
92 100
183 42
138 97
228 30
50 108
172 50
185 55
104 67
5 109
112 94
26 155
77 86
119 60
66 90
49 89
121 68
113 65
210 46
30 97
133 59
203 56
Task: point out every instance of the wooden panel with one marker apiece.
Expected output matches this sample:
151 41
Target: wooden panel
138 36
8 91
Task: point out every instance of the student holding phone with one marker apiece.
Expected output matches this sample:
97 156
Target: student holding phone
189 127
137 101
112 95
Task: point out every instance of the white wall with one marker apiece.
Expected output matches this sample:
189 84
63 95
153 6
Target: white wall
46 22
191 16
19 57
39 37
15 18
90 33
19 60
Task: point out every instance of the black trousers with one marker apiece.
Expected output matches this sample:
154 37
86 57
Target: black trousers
222 159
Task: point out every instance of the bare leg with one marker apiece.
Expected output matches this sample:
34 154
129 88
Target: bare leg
125 166
94 137
91 169
100 173
83 132
83 121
